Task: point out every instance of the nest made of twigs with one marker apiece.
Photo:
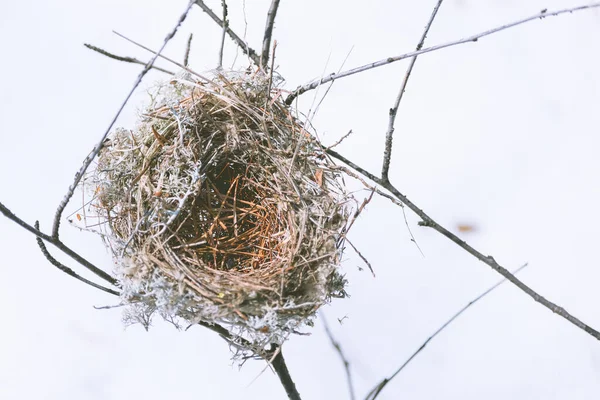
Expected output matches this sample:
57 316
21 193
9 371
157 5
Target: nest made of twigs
221 207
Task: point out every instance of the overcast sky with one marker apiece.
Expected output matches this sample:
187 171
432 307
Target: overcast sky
502 134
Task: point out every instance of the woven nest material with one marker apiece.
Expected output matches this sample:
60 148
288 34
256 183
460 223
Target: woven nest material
221 207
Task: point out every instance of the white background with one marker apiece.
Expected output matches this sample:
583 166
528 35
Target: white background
501 134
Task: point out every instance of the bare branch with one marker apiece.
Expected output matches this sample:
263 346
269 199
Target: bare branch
163 57
379 387
66 269
278 362
186 57
131 60
225 26
245 48
474 38
385 195
340 140
387 153
489 260
283 373
264 58
58 244
338 348
88 160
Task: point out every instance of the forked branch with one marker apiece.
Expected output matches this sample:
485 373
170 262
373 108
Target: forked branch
59 245
66 269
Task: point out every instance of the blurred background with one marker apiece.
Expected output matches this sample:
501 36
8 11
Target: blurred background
497 140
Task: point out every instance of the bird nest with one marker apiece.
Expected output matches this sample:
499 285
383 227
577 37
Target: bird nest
221 207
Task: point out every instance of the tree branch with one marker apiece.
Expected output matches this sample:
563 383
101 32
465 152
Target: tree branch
338 348
283 373
186 57
245 48
264 58
474 38
381 385
387 153
225 26
88 160
58 244
163 57
274 353
66 269
131 60
489 260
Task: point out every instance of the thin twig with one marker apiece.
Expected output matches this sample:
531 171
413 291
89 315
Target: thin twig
387 153
474 38
66 269
58 244
245 48
426 220
340 140
131 60
379 387
163 57
271 14
88 160
225 26
338 348
237 51
361 256
382 194
331 84
188 47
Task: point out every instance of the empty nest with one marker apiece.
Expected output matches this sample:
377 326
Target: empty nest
221 207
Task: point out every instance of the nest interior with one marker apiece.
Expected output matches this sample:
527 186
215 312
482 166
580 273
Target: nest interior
221 207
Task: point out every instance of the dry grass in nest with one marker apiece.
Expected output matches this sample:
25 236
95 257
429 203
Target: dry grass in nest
221 207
